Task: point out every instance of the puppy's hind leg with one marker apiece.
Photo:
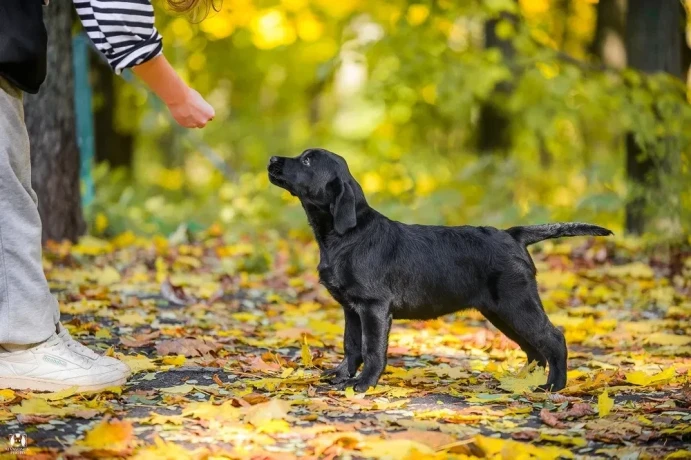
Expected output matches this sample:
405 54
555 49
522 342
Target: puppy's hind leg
352 349
530 351
526 317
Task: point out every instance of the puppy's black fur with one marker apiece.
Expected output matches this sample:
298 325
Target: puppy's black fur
380 270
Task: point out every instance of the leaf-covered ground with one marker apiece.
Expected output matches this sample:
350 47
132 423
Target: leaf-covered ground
227 342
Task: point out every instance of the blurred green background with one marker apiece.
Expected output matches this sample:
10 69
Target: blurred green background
495 112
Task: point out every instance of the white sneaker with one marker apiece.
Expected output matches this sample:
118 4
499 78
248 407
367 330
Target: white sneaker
88 353
52 366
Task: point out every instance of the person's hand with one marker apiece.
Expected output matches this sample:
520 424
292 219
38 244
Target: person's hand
186 105
191 111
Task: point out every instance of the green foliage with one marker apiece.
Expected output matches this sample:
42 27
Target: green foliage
397 87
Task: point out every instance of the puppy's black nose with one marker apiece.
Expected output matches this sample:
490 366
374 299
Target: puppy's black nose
273 160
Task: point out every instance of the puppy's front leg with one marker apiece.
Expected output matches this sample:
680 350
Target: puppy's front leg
352 349
376 324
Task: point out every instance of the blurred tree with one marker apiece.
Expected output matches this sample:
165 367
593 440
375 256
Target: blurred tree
112 144
653 44
493 134
685 45
50 119
608 45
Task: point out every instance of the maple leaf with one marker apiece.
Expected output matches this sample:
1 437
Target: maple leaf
258 364
522 383
661 338
178 389
395 449
305 353
162 450
210 411
564 439
502 448
323 442
186 347
604 404
29 419
175 294
38 406
177 360
7 396
140 340
642 379
137 363
107 276
112 435
551 419
274 409
56 396
433 439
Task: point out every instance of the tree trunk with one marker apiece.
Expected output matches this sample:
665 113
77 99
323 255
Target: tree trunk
50 119
653 44
112 146
685 45
608 44
493 133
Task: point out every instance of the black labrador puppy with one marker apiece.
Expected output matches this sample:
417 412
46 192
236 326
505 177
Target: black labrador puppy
380 270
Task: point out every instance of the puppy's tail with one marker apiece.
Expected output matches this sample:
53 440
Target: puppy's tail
532 234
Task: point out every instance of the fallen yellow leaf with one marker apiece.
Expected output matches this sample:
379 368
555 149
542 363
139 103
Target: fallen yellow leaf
107 276
66 393
112 435
37 406
260 414
103 334
162 450
305 353
563 439
178 360
210 411
522 383
660 338
395 449
642 379
503 448
138 363
273 427
604 404
6 395
178 389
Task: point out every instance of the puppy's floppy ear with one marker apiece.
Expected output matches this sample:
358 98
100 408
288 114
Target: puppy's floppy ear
343 207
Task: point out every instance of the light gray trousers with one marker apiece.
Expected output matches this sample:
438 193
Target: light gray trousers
28 311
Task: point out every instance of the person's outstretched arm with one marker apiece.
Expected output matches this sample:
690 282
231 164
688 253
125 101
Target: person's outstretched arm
124 32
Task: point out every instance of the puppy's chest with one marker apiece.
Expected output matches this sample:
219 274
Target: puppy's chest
334 281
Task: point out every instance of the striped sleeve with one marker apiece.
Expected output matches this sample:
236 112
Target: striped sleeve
123 30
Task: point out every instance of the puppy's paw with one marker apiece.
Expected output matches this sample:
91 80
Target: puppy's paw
339 373
359 384
548 388
340 378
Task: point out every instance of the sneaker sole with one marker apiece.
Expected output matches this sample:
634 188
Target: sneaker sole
29 383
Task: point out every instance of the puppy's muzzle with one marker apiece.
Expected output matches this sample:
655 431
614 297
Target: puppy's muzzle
276 166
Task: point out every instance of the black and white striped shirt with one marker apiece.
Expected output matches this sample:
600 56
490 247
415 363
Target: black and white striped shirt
123 30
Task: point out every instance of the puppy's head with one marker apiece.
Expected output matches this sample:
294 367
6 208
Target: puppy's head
321 179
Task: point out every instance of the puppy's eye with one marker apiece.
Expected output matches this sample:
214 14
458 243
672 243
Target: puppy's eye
306 161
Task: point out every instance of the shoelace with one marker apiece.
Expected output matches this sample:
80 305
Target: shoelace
60 347
75 346
81 349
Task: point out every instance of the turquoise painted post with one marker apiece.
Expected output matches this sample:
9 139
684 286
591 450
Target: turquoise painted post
84 113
